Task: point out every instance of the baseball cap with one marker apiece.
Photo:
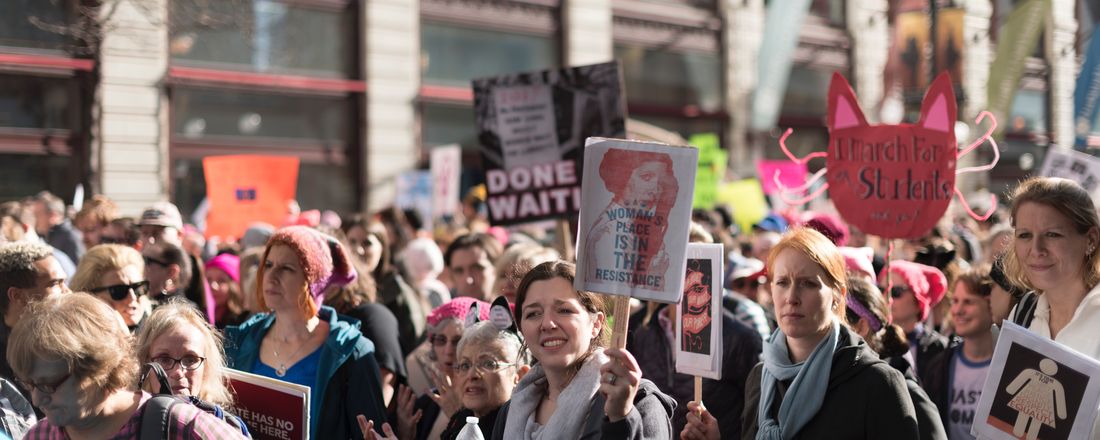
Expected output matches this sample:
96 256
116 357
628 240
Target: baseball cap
162 214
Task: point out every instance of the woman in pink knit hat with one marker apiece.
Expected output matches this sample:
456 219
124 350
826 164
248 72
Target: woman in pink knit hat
223 276
916 289
303 342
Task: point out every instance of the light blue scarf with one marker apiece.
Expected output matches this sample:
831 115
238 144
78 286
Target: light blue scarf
806 393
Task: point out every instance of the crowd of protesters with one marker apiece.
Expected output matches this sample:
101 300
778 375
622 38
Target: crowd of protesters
402 331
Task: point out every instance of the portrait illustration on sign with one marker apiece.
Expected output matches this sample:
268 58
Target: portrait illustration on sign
695 309
628 238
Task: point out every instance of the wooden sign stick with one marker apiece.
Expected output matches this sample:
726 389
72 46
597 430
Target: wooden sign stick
564 240
622 322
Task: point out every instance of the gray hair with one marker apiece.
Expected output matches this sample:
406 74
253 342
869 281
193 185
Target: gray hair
17 267
485 332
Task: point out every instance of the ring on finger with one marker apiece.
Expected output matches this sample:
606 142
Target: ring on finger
611 377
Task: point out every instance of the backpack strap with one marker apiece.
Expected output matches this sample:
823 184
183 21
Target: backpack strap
1025 309
162 378
154 417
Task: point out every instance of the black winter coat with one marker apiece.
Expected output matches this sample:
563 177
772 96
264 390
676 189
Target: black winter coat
866 398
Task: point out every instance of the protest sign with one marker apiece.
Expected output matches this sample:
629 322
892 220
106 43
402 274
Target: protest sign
633 226
446 168
699 323
894 181
1037 388
532 127
246 189
746 198
1073 165
272 409
791 174
414 191
712 167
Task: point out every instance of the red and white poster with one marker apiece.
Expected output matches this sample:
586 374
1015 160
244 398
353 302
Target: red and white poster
699 323
246 189
446 167
272 409
636 209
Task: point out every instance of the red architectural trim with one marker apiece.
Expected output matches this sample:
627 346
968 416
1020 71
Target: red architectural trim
35 141
45 61
447 93
180 74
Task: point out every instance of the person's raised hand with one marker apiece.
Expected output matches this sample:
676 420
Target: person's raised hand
619 380
367 426
406 417
445 396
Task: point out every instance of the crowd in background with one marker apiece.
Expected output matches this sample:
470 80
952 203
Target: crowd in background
403 329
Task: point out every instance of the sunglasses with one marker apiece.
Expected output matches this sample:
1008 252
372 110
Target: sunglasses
898 291
152 260
119 292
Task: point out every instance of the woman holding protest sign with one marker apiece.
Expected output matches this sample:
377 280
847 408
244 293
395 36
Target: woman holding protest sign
819 379
75 356
301 341
578 390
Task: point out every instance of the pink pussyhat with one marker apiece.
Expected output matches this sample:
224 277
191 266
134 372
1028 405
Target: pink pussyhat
324 261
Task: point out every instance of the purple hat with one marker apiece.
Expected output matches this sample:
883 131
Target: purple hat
324 261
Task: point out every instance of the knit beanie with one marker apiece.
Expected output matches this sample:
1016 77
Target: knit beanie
830 226
324 261
228 263
859 260
928 283
456 309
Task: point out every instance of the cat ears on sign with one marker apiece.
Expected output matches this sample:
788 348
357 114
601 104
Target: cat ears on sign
500 315
938 110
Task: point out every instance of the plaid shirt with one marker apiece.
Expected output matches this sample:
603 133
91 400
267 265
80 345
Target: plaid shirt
189 422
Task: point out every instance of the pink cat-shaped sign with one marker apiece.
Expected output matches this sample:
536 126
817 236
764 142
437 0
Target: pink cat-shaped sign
894 181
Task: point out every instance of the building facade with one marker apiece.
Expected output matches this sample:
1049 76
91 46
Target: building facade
128 98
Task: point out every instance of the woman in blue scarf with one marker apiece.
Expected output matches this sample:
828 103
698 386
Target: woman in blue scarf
819 379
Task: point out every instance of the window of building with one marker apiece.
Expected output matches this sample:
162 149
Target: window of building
453 55
211 114
24 24
672 78
37 102
267 36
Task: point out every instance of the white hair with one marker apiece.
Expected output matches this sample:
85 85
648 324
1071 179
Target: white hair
485 332
421 259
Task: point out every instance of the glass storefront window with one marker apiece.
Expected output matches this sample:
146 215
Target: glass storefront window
448 124
18 28
1029 112
264 36
805 94
204 114
320 186
37 102
669 78
26 174
453 55
682 126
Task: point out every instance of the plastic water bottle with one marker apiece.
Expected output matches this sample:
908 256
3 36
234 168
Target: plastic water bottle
470 431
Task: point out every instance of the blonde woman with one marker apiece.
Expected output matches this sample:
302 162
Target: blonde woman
176 337
116 275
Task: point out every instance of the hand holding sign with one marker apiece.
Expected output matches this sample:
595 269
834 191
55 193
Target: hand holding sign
701 425
619 380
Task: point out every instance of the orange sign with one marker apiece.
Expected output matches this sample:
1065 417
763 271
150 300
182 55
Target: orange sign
246 189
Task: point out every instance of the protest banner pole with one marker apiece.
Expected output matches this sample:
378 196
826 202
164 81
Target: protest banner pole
622 322
565 240
699 391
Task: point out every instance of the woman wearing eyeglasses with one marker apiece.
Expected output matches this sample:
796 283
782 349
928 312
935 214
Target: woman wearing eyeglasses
115 274
79 364
177 338
490 364
436 406
303 342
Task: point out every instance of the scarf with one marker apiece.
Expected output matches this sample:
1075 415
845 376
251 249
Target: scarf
806 393
572 407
